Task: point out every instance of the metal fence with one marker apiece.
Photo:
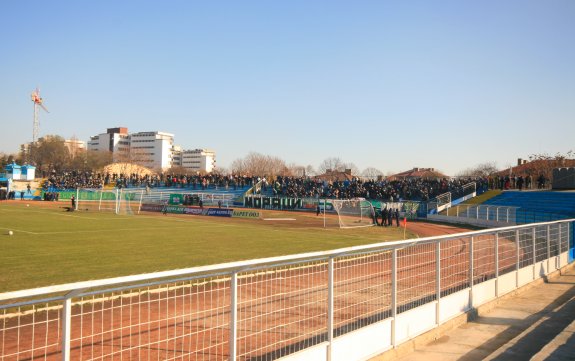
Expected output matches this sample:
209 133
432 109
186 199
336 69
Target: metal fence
484 212
444 200
267 309
503 214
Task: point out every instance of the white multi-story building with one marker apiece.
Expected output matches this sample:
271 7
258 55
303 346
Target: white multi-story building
154 150
177 156
115 140
199 160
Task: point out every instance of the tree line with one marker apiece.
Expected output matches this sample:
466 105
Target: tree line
51 153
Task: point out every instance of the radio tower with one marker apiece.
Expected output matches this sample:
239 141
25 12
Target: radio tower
37 100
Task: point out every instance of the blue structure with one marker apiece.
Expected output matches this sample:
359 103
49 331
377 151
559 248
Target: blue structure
13 171
540 207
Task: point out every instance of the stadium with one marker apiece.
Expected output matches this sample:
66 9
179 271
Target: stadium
249 271
292 181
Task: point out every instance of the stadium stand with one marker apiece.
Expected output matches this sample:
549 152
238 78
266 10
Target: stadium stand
406 189
537 206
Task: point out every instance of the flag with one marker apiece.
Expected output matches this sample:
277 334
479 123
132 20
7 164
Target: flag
404 222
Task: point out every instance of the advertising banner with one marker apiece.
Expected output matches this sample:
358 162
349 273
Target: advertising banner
176 199
220 212
309 204
272 202
152 207
246 214
195 211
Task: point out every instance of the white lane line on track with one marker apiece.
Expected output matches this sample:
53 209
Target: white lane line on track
18 230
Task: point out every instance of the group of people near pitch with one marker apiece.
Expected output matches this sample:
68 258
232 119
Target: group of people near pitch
387 217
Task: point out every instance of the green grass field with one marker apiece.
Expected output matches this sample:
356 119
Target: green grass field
51 246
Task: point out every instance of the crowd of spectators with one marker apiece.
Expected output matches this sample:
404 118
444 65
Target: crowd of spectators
385 190
518 182
282 186
74 179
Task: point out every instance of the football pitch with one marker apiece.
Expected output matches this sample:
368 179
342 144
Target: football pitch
50 245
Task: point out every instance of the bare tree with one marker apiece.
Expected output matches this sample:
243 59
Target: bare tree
543 164
6 159
480 170
49 153
310 171
353 167
295 170
372 173
257 164
96 160
333 163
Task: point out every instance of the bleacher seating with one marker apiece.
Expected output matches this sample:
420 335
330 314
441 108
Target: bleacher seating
537 206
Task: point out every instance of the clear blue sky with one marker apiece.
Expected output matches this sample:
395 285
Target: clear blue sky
391 85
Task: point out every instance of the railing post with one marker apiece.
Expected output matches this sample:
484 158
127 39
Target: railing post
487 214
560 246
497 264
393 296
330 295
66 324
457 210
117 203
507 216
471 265
438 282
517 258
233 315
497 214
534 253
549 249
477 208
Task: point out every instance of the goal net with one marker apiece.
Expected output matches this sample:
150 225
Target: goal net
119 201
353 212
129 201
97 200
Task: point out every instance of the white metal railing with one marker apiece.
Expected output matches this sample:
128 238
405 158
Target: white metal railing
504 214
444 200
271 308
207 198
493 214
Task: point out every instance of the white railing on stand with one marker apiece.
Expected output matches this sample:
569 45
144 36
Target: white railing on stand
504 214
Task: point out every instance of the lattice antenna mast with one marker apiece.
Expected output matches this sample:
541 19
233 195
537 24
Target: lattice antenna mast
37 100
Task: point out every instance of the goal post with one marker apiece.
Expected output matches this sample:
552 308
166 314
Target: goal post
353 213
96 199
129 201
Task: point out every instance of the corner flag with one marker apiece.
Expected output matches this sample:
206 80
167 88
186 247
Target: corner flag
404 226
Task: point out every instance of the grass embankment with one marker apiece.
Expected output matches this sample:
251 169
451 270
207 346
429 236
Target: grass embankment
51 246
